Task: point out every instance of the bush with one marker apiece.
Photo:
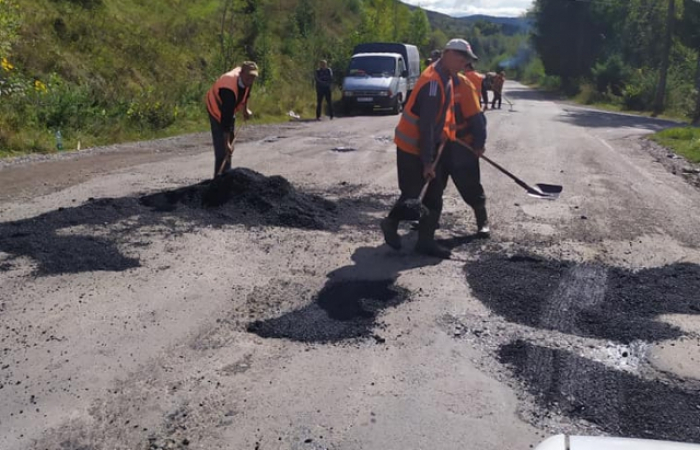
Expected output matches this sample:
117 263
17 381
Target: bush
640 91
611 75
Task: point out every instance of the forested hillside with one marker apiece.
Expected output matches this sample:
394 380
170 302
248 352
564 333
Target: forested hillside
104 71
614 51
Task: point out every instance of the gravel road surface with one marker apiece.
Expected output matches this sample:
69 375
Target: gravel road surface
132 316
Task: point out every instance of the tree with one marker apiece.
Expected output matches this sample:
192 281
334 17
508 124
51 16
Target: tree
419 28
567 38
689 31
663 72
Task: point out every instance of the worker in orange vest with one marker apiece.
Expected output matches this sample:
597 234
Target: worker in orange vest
462 164
498 82
427 121
477 79
227 96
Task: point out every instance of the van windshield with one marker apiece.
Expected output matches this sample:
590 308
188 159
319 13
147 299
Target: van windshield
373 66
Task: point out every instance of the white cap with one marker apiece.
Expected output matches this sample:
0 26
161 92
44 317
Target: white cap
461 45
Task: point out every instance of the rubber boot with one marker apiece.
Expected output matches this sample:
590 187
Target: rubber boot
482 221
426 244
390 228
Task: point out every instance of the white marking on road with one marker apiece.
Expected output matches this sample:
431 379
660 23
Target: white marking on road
610 147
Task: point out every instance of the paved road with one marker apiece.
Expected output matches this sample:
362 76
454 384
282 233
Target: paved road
122 327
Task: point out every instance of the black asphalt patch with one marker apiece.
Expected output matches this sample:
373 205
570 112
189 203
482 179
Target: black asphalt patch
619 403
245 191
340 311
95 235
586 300
46 239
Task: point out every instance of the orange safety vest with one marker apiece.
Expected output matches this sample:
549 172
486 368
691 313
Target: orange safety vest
476 78
466 105
406 135
229 80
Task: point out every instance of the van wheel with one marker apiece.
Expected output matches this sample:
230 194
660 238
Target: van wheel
348 109
398 105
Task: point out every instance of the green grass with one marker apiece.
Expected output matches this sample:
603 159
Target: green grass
683 141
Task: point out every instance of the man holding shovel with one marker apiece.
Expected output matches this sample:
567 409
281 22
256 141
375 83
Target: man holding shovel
227 96
427 122
461 163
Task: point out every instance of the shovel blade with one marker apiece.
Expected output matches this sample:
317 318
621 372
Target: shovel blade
546 191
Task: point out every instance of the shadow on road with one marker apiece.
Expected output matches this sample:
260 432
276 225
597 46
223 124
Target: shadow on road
602 119
105 234
531 95
349 304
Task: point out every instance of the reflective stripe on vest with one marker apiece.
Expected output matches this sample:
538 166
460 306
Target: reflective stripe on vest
229 80
406 135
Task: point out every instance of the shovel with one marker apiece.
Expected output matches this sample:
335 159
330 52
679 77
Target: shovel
228 156
413 209
542 191
508 101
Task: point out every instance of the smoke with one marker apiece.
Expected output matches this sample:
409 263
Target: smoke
522 57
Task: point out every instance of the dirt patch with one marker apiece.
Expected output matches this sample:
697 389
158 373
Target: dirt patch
340 311
675 164
273 198
586 300
618 402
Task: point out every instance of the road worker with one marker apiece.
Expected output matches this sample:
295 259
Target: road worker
497 87
428 120
477 80
462 164
227 96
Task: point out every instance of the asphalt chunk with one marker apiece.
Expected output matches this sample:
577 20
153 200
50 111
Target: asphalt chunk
244 191
585 299
618 402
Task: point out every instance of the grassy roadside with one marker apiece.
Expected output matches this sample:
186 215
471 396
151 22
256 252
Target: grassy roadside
684 141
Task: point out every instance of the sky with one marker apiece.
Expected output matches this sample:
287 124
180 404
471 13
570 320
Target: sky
503 8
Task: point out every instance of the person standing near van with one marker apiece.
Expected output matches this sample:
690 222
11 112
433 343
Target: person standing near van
427 121
324 81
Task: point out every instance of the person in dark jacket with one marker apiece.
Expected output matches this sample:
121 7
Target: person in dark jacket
324 82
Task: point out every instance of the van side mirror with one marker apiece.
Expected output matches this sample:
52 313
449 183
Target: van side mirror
404 74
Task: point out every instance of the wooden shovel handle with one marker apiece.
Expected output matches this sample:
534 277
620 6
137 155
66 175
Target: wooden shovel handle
433 166
228 156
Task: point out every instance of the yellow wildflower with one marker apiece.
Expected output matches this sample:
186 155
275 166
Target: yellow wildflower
39 86
6 65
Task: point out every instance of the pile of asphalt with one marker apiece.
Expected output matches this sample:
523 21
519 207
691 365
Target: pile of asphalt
343 310
245 192
586 300
618 402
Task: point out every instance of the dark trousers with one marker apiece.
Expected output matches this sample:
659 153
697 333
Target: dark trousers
462 166
497 97
220 152
410 171
485 95
321 94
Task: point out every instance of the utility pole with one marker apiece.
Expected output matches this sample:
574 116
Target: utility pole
661 88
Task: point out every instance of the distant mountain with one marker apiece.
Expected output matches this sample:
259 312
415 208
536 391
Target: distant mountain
456 26
514 21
